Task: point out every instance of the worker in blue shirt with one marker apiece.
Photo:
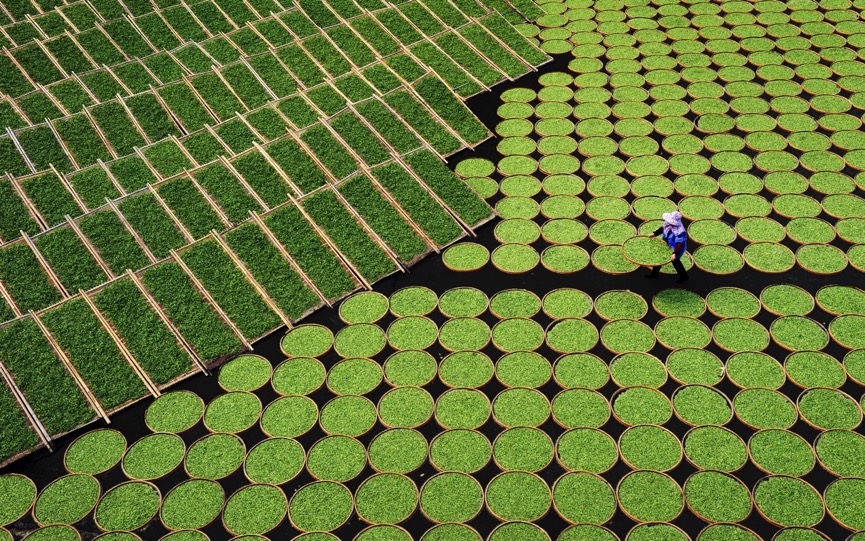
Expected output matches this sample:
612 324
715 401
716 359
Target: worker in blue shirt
674 232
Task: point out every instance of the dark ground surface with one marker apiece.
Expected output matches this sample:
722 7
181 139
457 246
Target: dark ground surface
43 467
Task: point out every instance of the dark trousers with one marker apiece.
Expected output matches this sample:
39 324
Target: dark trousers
677 264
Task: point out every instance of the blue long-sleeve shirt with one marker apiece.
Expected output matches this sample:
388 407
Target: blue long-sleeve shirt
674 240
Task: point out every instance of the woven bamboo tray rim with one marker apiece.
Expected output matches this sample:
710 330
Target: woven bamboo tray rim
391 430
632 466
475 481
737 526
394 526
200 415
152 487
210 435
769 520
725 429
725 474
58 479
320 385
221 507
66 527
812 531
767 472
691 424
632 517
134 536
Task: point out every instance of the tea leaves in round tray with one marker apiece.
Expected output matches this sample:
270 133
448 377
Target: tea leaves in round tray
465 256
650 496
564 303
840 300
715 448
451 497
780 452
405 407
348 416
584 498
517 496
232 412
413 301
523 449
828 408
95 452
749 369
451 530
470 369
682 332
630 369
847 331
463 302
274 461
336 458
840 452
192 504
788 501
678 302
174 412
153 456
363 307
360 340
844 502
650 448
462 408
727 302
572 335
523 369
821 258
764 409
398 450
307 341
586 449
787 300
769 257
718 259
581 370
563 231
289 417
580 408
515 303
642 406
565 259
386 498
520 407
711 232
652 531
67 499
298 376
698 405
717 497
798 333
739 334
517 230
214 456
412 332
127 507
465 451
518 334
727 532
691 366
810 369
464 334
245 373
321 507
623 335
760 230
475 167
646 251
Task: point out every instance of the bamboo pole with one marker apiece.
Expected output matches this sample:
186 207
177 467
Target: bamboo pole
39 428
94 253
10 301
20 149
177 223
131 230
52 276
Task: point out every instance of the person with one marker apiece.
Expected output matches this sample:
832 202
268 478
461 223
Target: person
673 231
